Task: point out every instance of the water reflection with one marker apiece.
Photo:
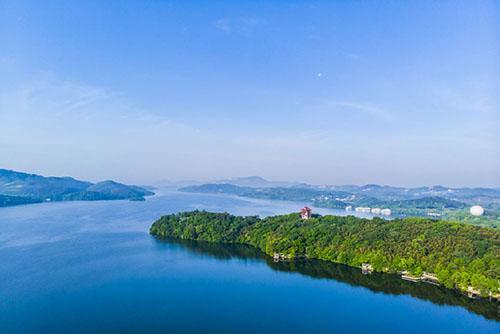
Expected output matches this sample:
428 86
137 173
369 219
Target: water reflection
376 282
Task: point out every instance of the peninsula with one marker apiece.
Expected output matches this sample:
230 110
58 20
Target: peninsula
457 256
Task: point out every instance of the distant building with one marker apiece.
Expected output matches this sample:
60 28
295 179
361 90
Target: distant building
366 268
376 211
409 277
362 209
476 210
473 292
348 208
430 278
305 213
385 212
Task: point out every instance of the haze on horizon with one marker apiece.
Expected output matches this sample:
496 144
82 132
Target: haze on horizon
320 92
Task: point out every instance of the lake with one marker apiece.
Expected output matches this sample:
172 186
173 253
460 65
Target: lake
92 267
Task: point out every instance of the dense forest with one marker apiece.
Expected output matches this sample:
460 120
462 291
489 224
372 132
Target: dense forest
489 219
460 255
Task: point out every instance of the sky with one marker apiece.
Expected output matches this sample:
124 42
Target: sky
326 92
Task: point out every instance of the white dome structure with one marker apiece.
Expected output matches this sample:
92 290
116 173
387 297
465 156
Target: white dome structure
476 210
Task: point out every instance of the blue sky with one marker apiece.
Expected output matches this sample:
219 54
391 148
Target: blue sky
392 92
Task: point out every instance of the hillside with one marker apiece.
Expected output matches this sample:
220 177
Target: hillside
14 183
22 188
17 200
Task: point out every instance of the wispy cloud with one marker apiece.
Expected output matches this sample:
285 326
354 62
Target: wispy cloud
58 127
367 109
46 97
223 25
467 96
352 56
240 25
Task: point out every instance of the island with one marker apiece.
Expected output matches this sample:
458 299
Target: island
455 255
17 188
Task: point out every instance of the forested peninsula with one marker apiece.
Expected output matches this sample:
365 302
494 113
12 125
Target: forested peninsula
460 256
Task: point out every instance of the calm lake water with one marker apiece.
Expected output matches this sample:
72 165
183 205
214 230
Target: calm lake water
92 267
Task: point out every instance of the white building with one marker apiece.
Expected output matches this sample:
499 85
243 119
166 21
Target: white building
476 210
386 212
362 209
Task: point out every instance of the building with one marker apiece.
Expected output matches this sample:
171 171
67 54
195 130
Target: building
476 210
362 209
473 292
409 277
386 212
430 278
305 213
366 268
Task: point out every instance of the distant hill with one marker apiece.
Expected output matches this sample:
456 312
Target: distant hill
322 197
488 197
465 194
331 198
22 188
403 202
255 182
213 188
274 193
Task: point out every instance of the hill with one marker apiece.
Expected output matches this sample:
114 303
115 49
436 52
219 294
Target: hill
256 182
14 183
22 188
